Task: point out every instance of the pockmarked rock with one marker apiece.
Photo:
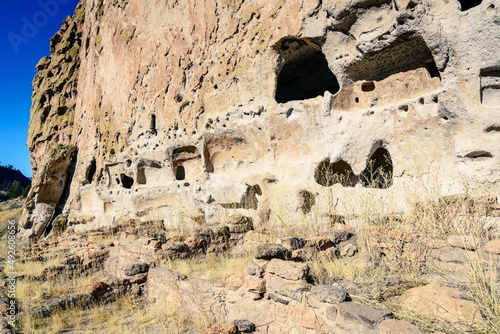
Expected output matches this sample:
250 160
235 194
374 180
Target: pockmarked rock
271 251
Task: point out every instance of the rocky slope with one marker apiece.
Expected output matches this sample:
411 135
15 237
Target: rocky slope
188 110
280 291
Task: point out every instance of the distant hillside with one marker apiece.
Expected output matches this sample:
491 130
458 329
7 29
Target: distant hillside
8 175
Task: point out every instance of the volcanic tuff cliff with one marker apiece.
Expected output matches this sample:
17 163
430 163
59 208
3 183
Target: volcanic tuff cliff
182 110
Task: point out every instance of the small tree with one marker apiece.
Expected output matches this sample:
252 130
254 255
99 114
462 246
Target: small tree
15 190
25 191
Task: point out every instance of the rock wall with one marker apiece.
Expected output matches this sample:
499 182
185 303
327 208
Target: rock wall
188 110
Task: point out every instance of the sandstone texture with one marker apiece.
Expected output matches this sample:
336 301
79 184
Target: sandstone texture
185 111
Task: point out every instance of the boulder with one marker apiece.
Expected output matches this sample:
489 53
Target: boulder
136 268
292 243
288 270
329 294
97 289
338 236
442 304
271 251
291 289
244 326
365 315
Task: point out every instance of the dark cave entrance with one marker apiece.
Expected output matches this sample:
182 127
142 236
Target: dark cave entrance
468 4
379 171
305 73
91 170
327 174
180 173
127 182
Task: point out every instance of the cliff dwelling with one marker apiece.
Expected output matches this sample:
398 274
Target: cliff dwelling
303 155
327 174
490 86
186 162
304 72
379 170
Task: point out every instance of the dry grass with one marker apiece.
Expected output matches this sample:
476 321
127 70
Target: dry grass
125 316
210 267
32 295
57 286
485 290
327 270
9 210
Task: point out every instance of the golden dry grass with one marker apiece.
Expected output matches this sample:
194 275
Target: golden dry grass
210 267
125 316
9 210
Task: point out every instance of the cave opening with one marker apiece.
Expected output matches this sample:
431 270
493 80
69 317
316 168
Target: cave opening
326 174
91 170
126 181
152 124
468 4
407 52
141 175
490 86
379 170
305 73
180 173
368 86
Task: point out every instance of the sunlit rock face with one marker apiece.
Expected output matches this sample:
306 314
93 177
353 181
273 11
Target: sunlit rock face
186 111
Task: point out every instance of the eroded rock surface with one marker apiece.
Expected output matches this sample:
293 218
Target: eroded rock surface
185 111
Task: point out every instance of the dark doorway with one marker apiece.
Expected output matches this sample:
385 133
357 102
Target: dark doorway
305 73
327 174
468 4
127 182
379 171
180 173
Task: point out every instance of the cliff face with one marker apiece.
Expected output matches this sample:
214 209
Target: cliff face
182 111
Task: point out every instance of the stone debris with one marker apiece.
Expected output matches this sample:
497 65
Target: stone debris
244 326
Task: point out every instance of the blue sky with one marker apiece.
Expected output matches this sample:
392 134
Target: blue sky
26 28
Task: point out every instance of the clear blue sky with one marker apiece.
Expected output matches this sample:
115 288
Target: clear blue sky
26 28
